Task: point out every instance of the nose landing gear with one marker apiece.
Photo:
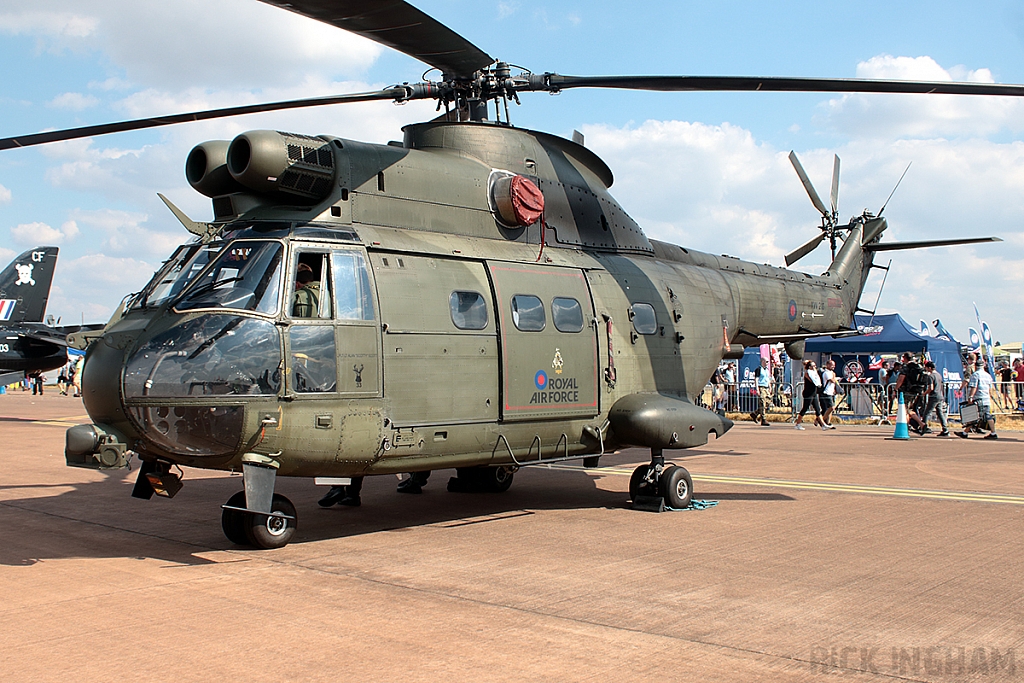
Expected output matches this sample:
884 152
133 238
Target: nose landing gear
257 516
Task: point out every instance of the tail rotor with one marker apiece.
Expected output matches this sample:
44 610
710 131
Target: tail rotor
829 215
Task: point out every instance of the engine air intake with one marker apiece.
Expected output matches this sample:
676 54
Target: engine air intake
268 161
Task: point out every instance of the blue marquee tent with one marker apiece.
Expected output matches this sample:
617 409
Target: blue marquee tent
892 334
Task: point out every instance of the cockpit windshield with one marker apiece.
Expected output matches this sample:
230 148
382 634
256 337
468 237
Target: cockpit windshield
245 276
176 273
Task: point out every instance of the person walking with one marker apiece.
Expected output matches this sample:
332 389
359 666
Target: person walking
812 380
77 379
37 382
935 399
1005 380
765 394
828 394
1018 379
911 384
979 391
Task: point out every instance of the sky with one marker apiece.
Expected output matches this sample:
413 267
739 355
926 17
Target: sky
708 171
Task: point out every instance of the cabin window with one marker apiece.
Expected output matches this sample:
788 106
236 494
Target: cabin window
644 319
528 313
566 314
469 310
246 276
313 361
352 286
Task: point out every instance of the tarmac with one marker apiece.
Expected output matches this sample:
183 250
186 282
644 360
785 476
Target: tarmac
840 555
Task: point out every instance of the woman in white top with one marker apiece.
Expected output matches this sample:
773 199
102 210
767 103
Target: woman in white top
812 381
828 393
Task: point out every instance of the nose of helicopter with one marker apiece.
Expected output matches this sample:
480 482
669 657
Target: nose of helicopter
101 391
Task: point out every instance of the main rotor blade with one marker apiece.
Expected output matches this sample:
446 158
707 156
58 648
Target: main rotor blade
397 93
834 195
804 249
811 192
897 246
398 25
557 82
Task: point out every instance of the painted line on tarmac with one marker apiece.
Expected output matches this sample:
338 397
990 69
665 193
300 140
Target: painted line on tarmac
967 496
62 421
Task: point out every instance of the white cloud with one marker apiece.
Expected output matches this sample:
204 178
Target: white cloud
207 43
74 101
507 8
5 195
896 116
124 233
39 234
90 287
47 22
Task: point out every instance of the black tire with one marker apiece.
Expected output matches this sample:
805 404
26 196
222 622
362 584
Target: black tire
637 486
484 479
267 532
233 521
499 479
676 487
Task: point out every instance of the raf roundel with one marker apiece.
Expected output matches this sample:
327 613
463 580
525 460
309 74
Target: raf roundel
541 379
792 310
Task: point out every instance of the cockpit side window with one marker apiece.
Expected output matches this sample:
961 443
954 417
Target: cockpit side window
177 272
352 286
312 294
245 276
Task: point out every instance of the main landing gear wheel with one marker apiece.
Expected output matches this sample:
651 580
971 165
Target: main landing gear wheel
267 531
676 487
482 479
233 521
639 484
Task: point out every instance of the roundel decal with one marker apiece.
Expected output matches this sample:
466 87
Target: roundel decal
853 370
792 310
541 379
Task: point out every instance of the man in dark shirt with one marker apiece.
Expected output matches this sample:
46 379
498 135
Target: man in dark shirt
911 383
935 399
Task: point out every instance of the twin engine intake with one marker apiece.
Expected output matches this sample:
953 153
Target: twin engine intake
300 167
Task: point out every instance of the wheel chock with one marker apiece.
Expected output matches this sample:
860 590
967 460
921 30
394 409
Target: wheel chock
649 503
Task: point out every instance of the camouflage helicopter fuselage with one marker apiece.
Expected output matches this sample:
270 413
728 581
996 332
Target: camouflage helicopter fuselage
567 318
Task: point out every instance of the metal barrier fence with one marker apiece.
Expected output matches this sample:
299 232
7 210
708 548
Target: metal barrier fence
856 400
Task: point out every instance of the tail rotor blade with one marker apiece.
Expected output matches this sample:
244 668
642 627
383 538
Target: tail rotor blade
811 192
835 186
804 249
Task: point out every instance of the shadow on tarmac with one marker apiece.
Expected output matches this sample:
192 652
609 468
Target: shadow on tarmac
100 519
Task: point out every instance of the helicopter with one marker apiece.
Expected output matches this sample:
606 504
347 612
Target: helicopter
482 302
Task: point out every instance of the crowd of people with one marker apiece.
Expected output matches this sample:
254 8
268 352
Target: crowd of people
920 383
69 379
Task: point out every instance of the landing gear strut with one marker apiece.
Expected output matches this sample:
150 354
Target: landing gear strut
656 486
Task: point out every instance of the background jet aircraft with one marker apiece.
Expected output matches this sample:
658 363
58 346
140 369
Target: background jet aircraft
26 343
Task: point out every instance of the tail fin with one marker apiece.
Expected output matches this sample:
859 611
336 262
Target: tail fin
25 285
